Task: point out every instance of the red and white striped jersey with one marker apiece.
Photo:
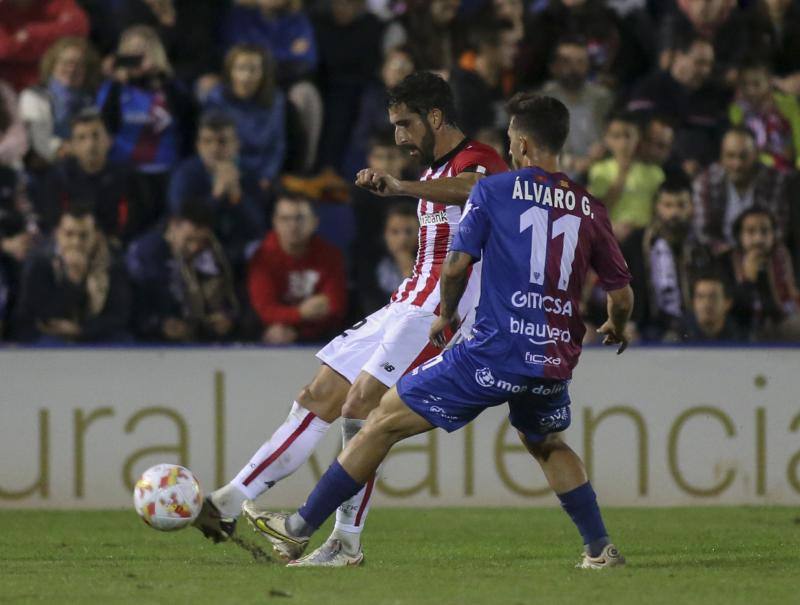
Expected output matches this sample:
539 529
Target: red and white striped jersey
438 223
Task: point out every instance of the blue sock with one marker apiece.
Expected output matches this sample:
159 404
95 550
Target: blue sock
333 488
581 505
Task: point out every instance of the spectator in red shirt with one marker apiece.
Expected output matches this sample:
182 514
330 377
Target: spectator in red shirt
28 28
296 279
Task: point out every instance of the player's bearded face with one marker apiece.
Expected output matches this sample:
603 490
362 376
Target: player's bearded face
423 150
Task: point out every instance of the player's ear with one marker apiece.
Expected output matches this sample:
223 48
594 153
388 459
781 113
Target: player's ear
435 118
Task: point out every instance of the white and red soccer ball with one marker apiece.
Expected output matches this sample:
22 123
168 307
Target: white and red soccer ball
167 497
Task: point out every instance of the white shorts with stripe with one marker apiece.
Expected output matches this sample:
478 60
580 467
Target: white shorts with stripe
391 341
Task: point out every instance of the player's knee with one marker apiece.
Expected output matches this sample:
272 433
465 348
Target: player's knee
322 399
359 403
542 449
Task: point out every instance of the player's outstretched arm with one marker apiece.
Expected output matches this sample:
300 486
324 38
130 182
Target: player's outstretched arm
452 284
620 307
449 190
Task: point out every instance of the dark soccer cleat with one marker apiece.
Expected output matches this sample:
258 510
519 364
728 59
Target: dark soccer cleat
213 525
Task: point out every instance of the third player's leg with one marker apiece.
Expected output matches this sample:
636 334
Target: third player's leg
561 465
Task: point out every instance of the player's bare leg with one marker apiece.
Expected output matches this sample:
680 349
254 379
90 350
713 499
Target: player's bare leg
566 474
316 406
391 422
343 546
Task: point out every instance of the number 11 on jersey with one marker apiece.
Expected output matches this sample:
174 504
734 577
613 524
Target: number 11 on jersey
568 225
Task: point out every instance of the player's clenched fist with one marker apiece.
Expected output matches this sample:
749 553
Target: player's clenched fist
378 182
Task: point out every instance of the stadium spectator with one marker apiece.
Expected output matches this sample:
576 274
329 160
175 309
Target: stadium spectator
382 279
623 182
183 283
149 116
348 37
214 176
710 319
74 289
15 243
480 91
372 115
249 95
737 182
431 30
283 28
68 79
717 21
683 94
296 280
87 178
189 29
588 104
663 258
590 19
656 147
765 297
772 116
384 156
775 33
13 139
28 29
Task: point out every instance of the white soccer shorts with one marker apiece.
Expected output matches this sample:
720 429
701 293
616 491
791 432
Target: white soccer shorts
386 344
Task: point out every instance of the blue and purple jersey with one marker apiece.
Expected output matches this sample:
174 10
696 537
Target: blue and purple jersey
538 234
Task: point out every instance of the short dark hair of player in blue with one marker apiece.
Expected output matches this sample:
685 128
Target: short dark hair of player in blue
545 118
422 92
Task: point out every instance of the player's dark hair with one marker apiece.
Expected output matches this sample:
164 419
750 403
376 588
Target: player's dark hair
752 211
216 121
422 92
88 115
545 118
684 39
196 211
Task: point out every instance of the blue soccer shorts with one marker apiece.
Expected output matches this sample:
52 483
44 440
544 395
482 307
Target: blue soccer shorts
452 389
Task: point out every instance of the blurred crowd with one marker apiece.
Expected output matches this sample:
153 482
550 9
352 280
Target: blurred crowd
181 170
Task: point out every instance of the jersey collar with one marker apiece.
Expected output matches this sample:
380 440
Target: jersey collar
438 163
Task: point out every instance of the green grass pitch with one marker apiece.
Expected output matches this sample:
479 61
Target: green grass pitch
432 556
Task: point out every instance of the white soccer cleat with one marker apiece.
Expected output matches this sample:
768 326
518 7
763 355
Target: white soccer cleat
330 554
610 557
273 527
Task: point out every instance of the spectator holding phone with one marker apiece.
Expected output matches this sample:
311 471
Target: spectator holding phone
146 112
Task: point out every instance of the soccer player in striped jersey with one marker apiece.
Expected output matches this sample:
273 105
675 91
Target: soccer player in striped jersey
538 234
365 361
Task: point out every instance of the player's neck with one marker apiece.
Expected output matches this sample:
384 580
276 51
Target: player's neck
548 163
448 139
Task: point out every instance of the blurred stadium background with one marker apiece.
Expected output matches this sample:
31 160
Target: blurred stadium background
178 229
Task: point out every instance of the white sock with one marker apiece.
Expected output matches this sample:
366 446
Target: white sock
286 451
352 514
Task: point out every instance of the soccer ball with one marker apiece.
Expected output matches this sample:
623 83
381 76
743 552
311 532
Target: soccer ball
167 497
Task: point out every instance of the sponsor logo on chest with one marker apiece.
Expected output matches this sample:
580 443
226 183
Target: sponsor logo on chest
434 218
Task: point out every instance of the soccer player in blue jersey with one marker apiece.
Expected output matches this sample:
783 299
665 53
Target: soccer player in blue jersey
538 234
